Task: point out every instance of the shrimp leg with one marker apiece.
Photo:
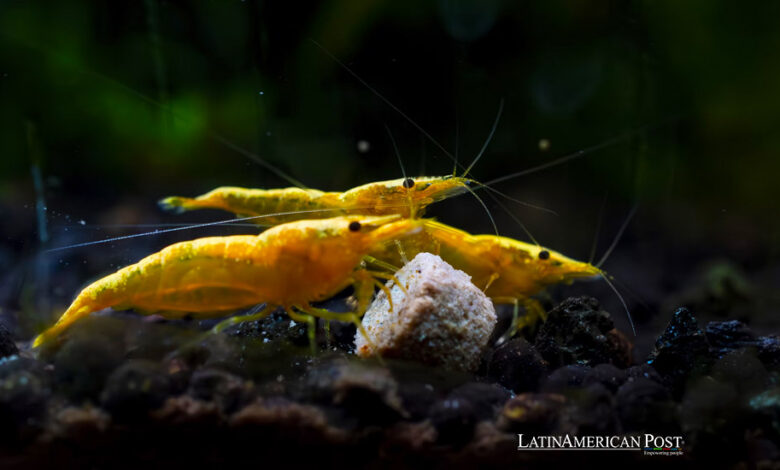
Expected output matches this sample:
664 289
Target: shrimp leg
328 315
311 325
221 326
533 313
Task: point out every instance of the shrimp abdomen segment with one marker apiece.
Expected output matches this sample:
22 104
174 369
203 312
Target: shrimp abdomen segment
202 276
289 203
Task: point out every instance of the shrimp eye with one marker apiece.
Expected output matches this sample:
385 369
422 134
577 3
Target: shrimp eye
544 254
354 226
408 183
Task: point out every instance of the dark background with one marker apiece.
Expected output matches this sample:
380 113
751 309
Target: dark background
105 107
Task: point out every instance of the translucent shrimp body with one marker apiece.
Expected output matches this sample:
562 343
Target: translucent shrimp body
508 270
407 197
504 267
289 265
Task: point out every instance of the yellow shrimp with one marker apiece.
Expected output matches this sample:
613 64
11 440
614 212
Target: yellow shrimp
508 270
290 265
407 197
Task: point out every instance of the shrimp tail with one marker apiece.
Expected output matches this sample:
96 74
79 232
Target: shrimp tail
76 311
177 204
104 293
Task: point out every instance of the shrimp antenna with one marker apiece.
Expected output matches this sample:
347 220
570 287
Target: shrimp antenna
516 219
605 276
397 153
572 156
617 237
631 293
517 201
154 232
457 142
385 100
492 221
489 138
226 222
598 229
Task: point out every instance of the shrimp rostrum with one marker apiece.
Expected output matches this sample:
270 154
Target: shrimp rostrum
289 266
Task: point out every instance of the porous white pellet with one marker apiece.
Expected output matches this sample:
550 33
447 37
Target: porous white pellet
443 319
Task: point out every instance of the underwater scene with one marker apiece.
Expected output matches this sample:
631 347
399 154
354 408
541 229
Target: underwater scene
389 234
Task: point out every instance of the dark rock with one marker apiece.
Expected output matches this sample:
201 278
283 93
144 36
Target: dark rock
485 399
23 397
592 411
767 404
417 399
710 415
517 365
763 451
224 389
578 332
195 416
565 378
84 427
532 413
607 375
622 347
644 371
769 351
83 364
7 344
725 336
743 369
645 405
13 364
681 351
134 389
280 424
361 391
454 420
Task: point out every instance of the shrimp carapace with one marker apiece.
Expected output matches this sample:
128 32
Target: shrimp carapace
290 265
404 196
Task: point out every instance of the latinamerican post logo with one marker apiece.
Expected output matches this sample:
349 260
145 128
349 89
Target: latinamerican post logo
649 444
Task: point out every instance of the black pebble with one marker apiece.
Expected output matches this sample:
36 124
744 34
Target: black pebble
517 365
454 420
7 345
576 332
23 397
486 399
225 389
83 364
644 404
134 389
533 413
681 351
565 378
607 375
